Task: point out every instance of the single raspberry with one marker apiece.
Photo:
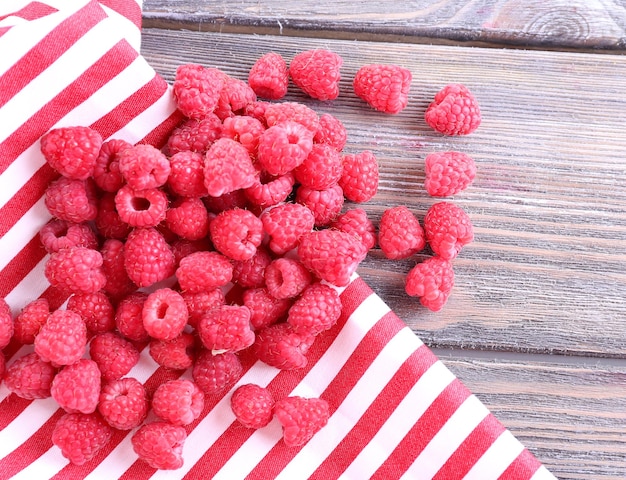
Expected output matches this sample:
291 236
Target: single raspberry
236 233
72 151
108 221
148 258
359 178
279 346
332 255
188 218
283 147
356 222
6 324
227 167
252 405
30 377
331 131
251 273
257 110
62 340
179 401
144 166
448 229
286 278
141 208
234 98
384 87
182 247
226 328
160 445
106 171
264 308
215 373
203 271
123 403
199 303
164 314
176 354
454 111
58 234
95 309
325 204
448 173
187 174
81 436
76 388
280 112
321 169
285 224
72 200
316 310
226 201
129 319
400 234
197 89
118 284
30 320
76 270
431 281
317 73
245 130
270 190
114 355
194 135
269 77
301 418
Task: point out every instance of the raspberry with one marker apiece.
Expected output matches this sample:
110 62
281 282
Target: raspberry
264 308
270 190
141 208
76 270
384 87
164 314
198 304
30 377
356 222
226 328
285 224
58 234
431 280
81 436
72 151
6 324
331 255
30 320
95 309
359 178
454 111
197 89
143 167
269 77
331 131
252 405
251 273
72 200
215 373
202 271
283 147
114 355
301 418
276 113
316 310
257 110
106 171
236 233
160 445
286 278
128 317
234 98
187 174
317 73
227 167
448 229
245 130
325 204
188 218
279 346
108 221
400 234
176 354
62 340
118 284
448 173
148 258
179 402
194 135
226 201
123 403
321 169
76 388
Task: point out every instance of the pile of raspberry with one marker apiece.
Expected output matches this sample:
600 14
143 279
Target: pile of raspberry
233 237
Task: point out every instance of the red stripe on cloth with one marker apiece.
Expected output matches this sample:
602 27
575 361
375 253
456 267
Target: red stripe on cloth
32 11
4 30
159 135
522 468
55 297
20 265
11 407
128 8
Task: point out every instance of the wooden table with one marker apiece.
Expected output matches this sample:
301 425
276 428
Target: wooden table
536 323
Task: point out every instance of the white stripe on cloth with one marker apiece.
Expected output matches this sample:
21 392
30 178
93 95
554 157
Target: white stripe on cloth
30 287
543 474
502 452
23 231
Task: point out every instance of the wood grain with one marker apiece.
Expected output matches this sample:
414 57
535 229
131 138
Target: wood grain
562 24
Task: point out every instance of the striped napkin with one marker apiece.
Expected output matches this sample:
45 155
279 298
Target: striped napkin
396 410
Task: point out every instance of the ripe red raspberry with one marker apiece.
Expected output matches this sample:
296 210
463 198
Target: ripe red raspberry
285 224
118 284
448 173
144 166
160 445
62 340
236 233
356 222
72 200
359 178
280 112
108 222
188 218
234 98
325 204
279 346
317 73
72 151
30 320
251 273
215 373
269 77
331 131
454 111
283 147
245 130
114 355
76 388
58 234
448 229
269 190
198 304
286 278
226 328
301 418
187 174
106 172
76 270
129 319
431 281
252 405
176 354
179 401
316 310
226 201
384 87
194 135
400 234
81 436
332 255
227 167
197 89
123 403
257 109
264 308
148 258
203 271
30 377
141 208
164 314
321 169
6 323
95 309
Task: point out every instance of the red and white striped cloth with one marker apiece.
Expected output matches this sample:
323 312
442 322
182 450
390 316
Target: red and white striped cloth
396 410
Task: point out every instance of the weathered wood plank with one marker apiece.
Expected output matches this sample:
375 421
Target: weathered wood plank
563 24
